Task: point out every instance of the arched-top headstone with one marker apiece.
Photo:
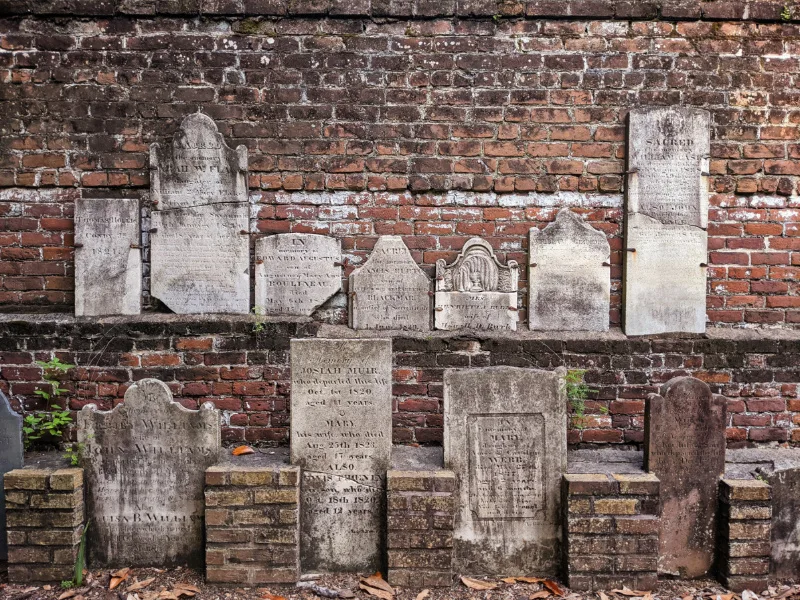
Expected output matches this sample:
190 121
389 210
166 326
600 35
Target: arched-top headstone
10 458
684 447
145 464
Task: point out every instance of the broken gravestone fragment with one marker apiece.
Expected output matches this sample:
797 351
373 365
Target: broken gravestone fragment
10 458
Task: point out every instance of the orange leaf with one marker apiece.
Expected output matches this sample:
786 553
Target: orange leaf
477 584
540 594
377 581
554 587
270 596
138 585
382 594
423 594
119 577
239 450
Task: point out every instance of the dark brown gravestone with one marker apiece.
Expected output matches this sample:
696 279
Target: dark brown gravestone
786 522
685 448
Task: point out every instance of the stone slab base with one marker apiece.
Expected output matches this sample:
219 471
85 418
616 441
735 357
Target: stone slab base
611 524
45 519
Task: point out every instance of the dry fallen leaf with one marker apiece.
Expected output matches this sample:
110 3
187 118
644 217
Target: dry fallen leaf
119 577
423 594
540 594
383 594
625 591
604 597
267 595
239 450
67 594
477 584
554 587
530 579
509 580
377 581
138 585
725 596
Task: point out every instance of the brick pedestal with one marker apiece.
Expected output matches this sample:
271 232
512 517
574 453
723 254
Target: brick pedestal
45 517
252 527
611 527
743 543
420 514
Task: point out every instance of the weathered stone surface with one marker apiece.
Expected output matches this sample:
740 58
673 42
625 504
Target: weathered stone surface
786 523
296 273
476 291
108 260
505 437
569 279
10 458
145 466
685 449
668 152
341 436
200 260
390 291
665 277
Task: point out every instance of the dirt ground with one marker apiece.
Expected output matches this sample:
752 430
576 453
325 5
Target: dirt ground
183 584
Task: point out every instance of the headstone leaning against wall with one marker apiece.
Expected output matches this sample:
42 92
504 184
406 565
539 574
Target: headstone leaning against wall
505 437
145 465
684 446
200 249
10 458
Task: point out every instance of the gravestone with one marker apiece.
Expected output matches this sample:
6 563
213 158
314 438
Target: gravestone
569 278
786 522
145 464
108 261
684 447
10 458
665 256
476 291
341 436
505 437
390 291
199 237
296 273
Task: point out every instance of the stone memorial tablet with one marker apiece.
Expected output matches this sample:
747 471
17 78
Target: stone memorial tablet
786 522
569 277
10 458
200 250
505 437
668 154
108 261
145 465
341 436
664 287
476 291
390 291
685 448
296 273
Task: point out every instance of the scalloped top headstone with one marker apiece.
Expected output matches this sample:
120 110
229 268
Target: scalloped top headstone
476 291
10 458
145 464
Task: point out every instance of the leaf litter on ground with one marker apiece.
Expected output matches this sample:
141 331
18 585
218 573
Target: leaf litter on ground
477 584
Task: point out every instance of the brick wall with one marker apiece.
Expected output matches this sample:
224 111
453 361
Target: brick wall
45 517
447 120
246 374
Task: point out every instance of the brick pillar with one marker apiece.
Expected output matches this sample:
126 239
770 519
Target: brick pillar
611 525
745 530
252 526
45 517
420 515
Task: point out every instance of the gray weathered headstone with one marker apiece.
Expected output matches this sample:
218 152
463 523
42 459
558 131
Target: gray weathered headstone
786 522
145 465
108 261
390 291
476 291
685 448
10 458
341 436
296 273
667 213
200 222
668 153
569 278
505 436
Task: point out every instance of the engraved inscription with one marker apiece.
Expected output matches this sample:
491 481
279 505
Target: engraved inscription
487 311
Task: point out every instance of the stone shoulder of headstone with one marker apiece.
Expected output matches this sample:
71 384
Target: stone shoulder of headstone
476 269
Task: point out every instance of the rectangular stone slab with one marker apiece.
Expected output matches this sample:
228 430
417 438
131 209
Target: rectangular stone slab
108 261
505 437
482 311
145 465
664 287
685 448
10 458
200 259
786 523
296 273
341 436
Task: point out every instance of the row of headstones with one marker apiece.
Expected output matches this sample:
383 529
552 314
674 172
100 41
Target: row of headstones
505 439
200 263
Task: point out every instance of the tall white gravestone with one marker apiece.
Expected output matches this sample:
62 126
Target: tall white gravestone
108 259
505 436
10 458
296 273
666 243
200 249
145 465
569 276
390 291
476 291
341 436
